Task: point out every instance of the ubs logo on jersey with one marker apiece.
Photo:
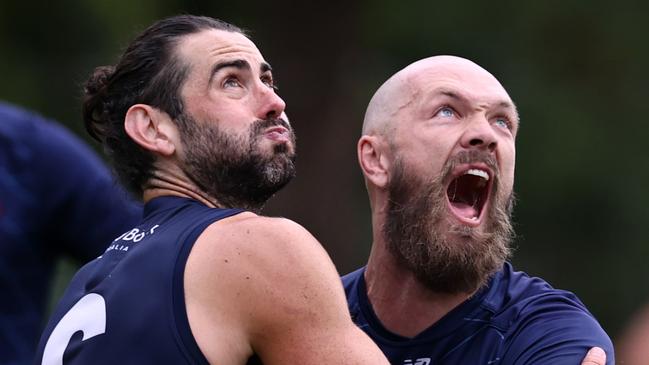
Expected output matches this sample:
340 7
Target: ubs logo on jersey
419 361
136 235
121 243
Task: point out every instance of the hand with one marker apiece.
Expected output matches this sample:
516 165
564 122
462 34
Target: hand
596 356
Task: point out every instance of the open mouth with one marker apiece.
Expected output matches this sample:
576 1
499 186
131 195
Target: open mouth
468 194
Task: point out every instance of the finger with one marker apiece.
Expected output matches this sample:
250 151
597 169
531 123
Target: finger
596 356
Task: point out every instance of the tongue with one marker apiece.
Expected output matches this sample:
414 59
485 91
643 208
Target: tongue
464 210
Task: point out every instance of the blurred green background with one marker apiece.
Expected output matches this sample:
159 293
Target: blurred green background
576 69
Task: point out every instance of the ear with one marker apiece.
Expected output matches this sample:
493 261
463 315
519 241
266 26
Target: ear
374 160
152 129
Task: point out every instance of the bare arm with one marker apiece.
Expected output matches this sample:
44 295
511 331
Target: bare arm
266 286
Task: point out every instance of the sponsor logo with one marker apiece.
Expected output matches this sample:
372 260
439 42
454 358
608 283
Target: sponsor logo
136 235
419 361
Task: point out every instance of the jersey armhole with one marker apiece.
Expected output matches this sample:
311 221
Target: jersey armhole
183 332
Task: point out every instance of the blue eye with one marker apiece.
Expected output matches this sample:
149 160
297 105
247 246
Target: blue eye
446 112
502 122
231 82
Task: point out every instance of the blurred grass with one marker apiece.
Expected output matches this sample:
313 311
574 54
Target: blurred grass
65 269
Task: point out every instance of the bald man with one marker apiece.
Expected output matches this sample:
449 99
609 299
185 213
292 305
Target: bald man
438 153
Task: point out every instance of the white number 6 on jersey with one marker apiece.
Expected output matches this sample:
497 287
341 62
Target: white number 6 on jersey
88 316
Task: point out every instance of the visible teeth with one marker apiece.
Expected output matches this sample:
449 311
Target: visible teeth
476 172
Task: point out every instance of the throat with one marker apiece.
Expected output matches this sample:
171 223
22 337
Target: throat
163 183
406 307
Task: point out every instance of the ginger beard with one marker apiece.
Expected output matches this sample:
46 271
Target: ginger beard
445 255
235 169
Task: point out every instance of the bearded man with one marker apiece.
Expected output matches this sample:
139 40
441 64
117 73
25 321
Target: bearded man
193 125
437 152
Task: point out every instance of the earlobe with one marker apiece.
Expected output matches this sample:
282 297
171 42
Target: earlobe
149 128
373 161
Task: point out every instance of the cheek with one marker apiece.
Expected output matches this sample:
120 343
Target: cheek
508 164
218 108
431 152
427 161
425 148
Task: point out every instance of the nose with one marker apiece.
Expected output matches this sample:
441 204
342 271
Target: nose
270 104
480 135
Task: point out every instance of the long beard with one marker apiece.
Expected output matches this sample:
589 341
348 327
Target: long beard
232 168
446 257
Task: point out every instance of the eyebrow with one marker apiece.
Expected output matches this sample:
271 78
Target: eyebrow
502 104
239 64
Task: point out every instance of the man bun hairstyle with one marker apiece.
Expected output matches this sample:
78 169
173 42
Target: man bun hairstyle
149 72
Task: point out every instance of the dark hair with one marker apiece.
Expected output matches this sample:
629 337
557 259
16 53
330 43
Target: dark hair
149 72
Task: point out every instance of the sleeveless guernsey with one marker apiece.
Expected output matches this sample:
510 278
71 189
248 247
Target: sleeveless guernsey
127 306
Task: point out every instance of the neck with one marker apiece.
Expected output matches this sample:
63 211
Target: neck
164 183
401 302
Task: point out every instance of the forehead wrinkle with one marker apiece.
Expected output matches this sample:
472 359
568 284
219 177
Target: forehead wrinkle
507 106
448 92
215 40
461 95
213 43
233 48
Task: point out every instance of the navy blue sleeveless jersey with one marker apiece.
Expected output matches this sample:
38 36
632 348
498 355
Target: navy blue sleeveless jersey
127 306
57 199
515 319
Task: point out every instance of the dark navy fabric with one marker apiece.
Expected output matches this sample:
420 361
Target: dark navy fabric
515 319
137 285
57 199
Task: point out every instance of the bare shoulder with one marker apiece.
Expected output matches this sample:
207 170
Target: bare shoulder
243 276
269 250
266 285
270 235
266 229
